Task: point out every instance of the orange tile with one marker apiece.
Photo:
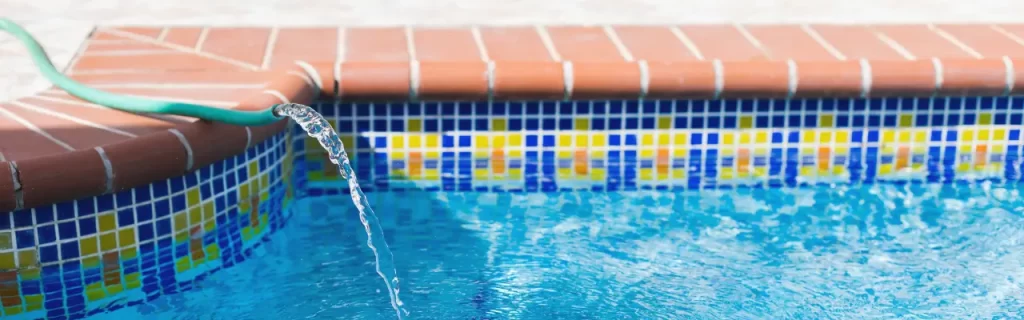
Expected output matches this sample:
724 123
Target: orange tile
743 79
374 80
856 42
498 161
984 39
829 78
111 269
675 80
529 80
789 42
724 42
580 162
662 162
306 44
591 80
654 43
514 44
183 36
376 44
922 42
590 44
453 80
120 120
415 164
446 44
248 45
96 47
984 77
902 78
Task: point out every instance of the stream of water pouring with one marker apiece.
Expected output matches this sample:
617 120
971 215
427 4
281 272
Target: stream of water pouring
318 128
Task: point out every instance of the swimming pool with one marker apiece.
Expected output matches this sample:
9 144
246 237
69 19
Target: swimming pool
913 251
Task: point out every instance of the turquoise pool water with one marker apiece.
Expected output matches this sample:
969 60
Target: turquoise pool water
843 252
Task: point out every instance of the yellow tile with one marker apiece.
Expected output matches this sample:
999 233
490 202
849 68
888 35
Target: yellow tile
647 153
87 246
906 120
432 141
414 125
515 139
27 258
824 136
482 142
126 237
565 140
581 124
646 174
498 124
498 142
745 138
728 139
999 135
397 141
347 140
761 137
192 196
680 139
181 221
665 122
746 122
14 310
967 135
582 140
843 136
6 241
663 139
33 302
647 139
920 136
213 251
807 136
515 173
564 154
985 118
208 211
114 289
597 174
129 253
983 135
515 153
182 264
7 261
108 241
904 136
888 136
254 168
107 222
415 141
826 121
210 225
598 139
433 154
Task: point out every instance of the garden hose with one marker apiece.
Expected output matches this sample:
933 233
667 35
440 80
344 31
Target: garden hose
129 103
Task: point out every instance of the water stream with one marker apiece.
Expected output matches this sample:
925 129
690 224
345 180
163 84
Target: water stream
318 128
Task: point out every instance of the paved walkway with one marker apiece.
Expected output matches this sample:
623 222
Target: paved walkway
61 25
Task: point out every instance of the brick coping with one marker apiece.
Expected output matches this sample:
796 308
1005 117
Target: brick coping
64 148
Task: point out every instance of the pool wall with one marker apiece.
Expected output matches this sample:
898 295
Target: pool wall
114 220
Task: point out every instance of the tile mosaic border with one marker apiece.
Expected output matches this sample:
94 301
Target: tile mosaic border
673 144
76 258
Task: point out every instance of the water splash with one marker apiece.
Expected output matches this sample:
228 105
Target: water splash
318 128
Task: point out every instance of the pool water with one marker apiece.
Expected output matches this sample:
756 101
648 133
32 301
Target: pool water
852 252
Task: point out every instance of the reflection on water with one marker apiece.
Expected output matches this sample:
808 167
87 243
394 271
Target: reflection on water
872 252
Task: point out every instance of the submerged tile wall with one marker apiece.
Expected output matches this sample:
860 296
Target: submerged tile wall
672 144
72 259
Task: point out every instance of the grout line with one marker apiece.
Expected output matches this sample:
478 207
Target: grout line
752 39
192 86
1008 34
217 103
163 34
2 159
894 45
545 37
34 128
1011 76
952 39
197 50
410 43
203 34
479 39
169 118
69 68
342 45
71 118
125 53
614 37
268 52
687 42
822 42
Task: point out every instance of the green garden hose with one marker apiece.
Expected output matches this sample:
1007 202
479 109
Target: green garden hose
128 103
